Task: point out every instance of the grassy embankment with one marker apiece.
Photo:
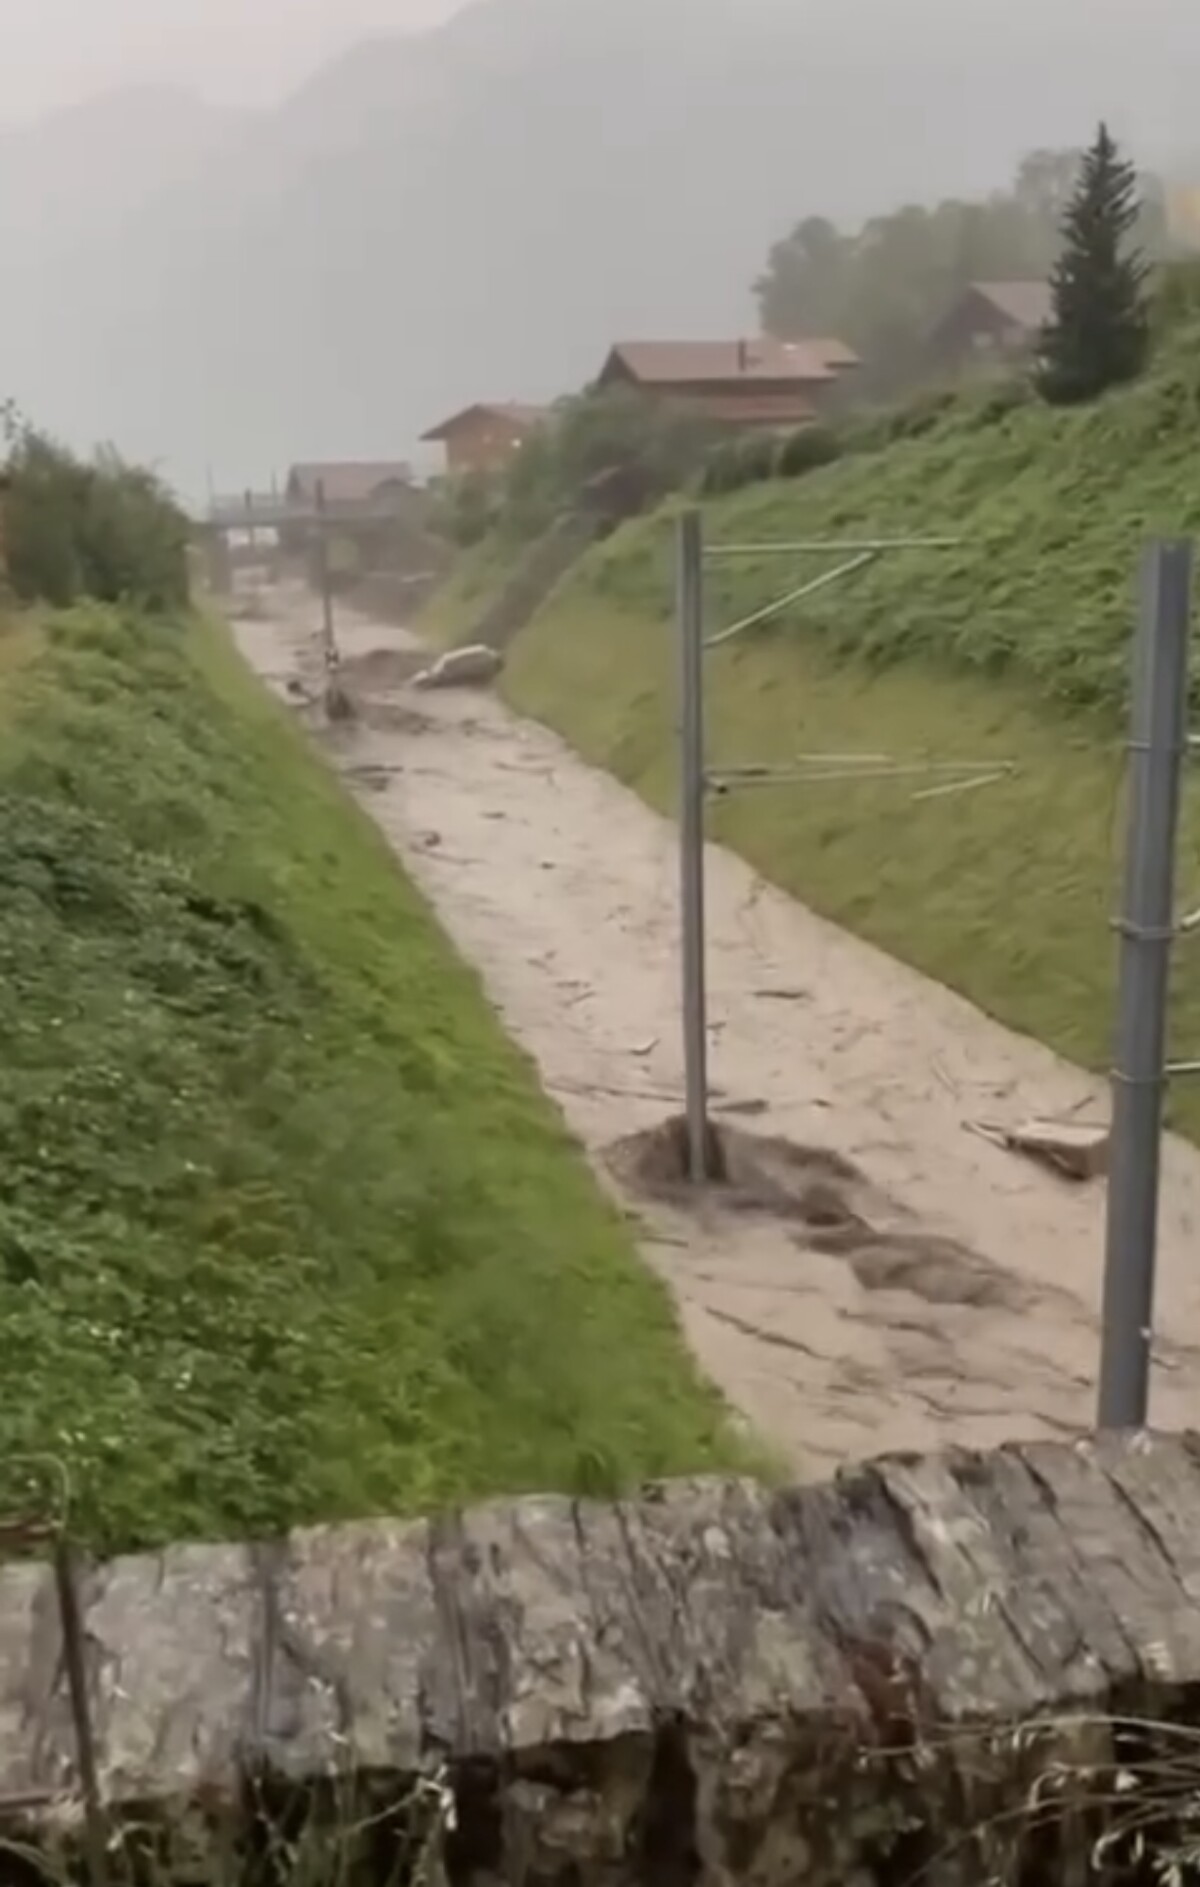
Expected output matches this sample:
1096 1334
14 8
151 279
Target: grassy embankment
477 576
286 1229
1015 645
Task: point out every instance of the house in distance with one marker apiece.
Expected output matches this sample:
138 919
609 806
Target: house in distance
991 322
757 383
366 487
375 510
483 437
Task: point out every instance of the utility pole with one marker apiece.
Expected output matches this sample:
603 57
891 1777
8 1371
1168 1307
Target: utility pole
1158 741
689 591
697 780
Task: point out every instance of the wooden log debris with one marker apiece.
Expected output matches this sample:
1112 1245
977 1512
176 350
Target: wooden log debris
894 1675
1076 1149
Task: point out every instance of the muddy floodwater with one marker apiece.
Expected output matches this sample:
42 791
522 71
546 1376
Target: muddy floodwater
876 1274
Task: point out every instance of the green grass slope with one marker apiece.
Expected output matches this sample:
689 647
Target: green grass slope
287 1230
1012 645
458 604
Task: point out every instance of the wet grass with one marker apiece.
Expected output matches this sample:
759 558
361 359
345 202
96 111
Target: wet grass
458 604
287 1230
1012 645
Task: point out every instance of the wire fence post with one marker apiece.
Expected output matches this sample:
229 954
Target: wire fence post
689 605
1158 739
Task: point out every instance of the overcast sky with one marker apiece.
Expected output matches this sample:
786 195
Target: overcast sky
59 51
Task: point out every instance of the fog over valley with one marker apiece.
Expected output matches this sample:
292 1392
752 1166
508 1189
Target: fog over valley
226 267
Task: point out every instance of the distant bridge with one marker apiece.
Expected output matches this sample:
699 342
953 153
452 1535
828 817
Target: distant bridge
269 511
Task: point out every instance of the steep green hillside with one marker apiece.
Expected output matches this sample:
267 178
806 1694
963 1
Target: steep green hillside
1013 644
286 1229
458 604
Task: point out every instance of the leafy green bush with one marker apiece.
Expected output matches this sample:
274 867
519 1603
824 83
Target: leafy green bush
920 415
466 508
723 469
748 458
1007 395
103 529
603 440
756 456
875 428
805 450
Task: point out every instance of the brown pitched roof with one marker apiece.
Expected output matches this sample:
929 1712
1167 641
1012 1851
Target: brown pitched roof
513 411
675 363
350 481
1025 304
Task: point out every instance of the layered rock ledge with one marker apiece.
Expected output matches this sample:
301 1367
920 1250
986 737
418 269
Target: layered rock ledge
918 1670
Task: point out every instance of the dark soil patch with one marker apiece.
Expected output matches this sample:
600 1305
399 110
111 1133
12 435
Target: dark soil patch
748 1173
841 1214
937 1270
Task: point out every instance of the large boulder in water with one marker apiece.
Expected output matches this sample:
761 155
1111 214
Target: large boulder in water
469 667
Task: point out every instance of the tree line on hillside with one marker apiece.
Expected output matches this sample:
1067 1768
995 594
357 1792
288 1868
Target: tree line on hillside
1085 222
76 529
884 286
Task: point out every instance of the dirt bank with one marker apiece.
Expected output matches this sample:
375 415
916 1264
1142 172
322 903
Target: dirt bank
948 1292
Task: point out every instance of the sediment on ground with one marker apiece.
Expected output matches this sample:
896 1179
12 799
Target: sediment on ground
287 1230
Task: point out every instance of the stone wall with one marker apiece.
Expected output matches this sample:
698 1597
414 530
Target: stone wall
712 1684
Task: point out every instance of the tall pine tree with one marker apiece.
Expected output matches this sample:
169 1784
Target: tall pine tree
1098 334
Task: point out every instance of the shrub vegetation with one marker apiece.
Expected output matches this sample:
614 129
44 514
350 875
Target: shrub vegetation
100 529
288 1231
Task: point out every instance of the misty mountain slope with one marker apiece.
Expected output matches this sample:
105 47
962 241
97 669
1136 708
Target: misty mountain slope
478 210
78 174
